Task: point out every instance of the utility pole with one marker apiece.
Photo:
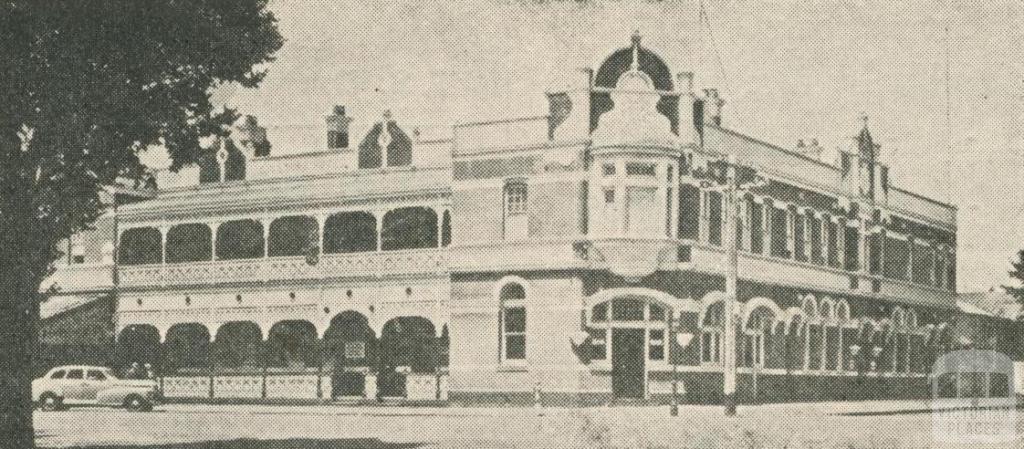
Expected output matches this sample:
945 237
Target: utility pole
731 275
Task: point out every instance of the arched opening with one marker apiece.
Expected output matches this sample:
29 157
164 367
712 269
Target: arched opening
238 347
140 246
350 353
292 236
188 349
138 351
291 345
409 228
191 242
407 346
240 239
795 343
350 232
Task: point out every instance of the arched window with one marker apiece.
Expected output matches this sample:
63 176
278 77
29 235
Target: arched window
240 239
350 232
409 228
140 246
512 322
516 210
292 236
189 242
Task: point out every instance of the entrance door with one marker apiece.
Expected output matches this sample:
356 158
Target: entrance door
628 363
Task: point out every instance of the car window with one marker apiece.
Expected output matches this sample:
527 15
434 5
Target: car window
59 374
109 373
96 375
75 374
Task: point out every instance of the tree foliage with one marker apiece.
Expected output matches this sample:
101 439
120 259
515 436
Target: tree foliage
84 87
1018 274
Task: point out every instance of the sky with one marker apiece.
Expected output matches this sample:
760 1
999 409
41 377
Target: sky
788 70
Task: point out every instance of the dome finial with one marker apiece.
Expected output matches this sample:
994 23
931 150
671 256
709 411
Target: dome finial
635 65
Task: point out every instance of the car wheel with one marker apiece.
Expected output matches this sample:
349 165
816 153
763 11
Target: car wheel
136 403
49 402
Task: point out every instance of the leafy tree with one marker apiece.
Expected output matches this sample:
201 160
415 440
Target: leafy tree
84 87
1018 274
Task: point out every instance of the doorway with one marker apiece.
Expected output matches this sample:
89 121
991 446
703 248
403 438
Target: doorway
628 363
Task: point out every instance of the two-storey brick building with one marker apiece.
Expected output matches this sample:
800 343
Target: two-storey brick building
573 257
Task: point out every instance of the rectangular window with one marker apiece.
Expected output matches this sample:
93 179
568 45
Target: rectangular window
779 227
852 246
897 257
715 218
75 374
710 342
608 169
875 253
95 375
59 374
756 228
940 269
514 327
832 234
951 273
922 266
639 169
656 345
817 255
598 344
689 212
641 208
516 217
799 250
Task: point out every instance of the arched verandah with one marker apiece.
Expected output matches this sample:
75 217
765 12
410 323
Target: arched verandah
349 353
138 345
238 347
291 345
187 349
408 345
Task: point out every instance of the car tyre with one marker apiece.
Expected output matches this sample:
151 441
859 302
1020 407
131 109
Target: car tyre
136 403
50 402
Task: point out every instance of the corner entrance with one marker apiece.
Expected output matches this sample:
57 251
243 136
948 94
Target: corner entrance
628 363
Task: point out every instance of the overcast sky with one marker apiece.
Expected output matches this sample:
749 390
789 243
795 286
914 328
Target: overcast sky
788 70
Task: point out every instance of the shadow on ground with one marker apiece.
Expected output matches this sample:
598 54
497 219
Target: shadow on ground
292 443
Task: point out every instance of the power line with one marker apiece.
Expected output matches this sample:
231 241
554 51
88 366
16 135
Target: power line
704 17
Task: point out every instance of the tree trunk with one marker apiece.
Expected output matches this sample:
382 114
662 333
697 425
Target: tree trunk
19 314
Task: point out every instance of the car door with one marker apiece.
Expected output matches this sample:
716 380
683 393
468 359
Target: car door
75 385
95 381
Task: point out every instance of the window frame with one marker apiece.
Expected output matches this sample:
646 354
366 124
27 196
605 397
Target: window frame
507 303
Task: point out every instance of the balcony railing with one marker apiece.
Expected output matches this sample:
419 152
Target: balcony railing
369 264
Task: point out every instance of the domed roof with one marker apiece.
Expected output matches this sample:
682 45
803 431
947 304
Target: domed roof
646 61
644 70
634 119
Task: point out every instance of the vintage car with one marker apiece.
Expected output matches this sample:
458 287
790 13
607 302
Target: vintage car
66 386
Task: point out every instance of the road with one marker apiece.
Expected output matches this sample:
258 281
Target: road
871 425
